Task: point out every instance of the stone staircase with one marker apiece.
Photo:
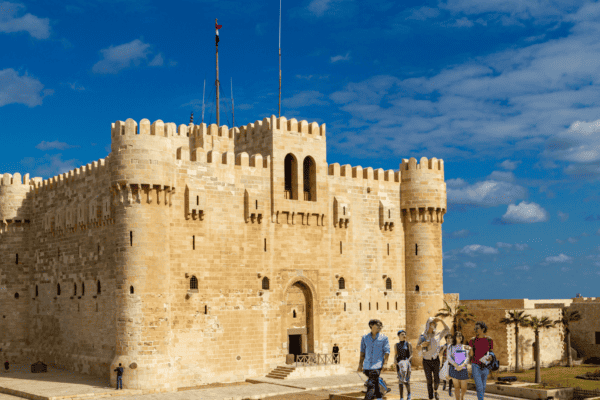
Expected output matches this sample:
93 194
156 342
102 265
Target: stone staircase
281 372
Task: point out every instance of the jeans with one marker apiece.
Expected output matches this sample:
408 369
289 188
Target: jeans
373 391
432 367
480 375
119 382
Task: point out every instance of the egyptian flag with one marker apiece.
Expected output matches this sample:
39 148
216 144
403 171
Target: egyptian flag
217 27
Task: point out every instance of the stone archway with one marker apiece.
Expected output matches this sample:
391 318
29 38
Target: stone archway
298 320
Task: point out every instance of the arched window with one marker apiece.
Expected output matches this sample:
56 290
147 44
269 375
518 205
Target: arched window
193 282
291 177
82 288
310 179
99 288
388 284
342 283
130 289
74 289
417 288
36 290
265 283
16 295
58 289
294 313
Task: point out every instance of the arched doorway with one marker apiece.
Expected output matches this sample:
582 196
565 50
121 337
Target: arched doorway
299 319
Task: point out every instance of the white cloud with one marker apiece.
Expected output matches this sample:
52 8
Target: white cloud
572 240
157 61
503 245
37 27
43 145
337 8
522 267
456 183
49 165
304 99
463 233
541 10
502 176
525 213
561 258
76 86
510 165
580 143
521 247
477 248
341 58
423 13
562 216
560 241
21 89
565 269
486 194
469 264
117 58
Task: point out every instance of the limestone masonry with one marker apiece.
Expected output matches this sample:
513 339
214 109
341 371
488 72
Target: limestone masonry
204 254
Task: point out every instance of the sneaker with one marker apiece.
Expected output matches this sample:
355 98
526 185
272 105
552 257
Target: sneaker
408 397
437 397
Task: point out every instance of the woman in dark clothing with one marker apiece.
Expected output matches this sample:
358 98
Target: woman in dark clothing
402 357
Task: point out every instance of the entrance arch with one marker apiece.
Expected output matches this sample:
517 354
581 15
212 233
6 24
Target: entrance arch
298 317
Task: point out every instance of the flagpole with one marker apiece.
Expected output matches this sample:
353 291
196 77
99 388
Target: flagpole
203 90
280 58
217 81
232 110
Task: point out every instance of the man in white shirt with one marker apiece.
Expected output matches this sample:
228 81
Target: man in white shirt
430 342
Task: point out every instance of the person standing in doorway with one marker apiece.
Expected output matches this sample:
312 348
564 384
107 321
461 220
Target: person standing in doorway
119 371
374 353
402 357
429 343
336 354
480 345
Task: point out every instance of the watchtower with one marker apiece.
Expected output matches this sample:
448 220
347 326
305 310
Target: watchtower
423 205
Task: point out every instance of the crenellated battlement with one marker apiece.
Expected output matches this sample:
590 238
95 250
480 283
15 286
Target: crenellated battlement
201 156
130 128
432 164
16 179
73 176
282 125
366 174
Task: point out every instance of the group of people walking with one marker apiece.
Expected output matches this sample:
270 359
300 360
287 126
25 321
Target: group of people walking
456 355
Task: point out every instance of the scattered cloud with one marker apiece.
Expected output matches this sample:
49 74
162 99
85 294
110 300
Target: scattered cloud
572 240
560 241
522 268
489 193
561 258
157 61
469 264
304 99
341 58
43 145
49 165
38 28
21 89
562 216
505 176
591 218
463 233
472 249
333 8
423 13
118 58
525 213
510 165
521 246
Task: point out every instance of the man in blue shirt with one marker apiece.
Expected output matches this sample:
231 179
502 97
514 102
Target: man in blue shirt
374 353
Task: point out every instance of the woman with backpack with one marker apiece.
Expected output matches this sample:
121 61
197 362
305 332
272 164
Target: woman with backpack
458 358
402 357
480 345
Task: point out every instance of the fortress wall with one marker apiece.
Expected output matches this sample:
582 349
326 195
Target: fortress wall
68 222
226 317
356 196
583 333
14 312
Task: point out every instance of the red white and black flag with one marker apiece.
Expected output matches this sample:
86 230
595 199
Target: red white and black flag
217 27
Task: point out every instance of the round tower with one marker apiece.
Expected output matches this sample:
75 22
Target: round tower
13 193
423 205
142 165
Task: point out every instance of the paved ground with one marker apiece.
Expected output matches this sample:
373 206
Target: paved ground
63 385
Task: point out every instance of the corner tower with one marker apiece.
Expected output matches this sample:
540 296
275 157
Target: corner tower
142 177
423 205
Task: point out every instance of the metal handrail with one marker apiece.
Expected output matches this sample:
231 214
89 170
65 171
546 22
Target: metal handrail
313 359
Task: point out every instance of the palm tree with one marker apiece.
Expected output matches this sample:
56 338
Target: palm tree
566 318
519 318
460 315
536 324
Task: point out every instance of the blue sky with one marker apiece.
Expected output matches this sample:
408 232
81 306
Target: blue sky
506 92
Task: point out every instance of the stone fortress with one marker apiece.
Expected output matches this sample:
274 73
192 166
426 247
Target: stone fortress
200 254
